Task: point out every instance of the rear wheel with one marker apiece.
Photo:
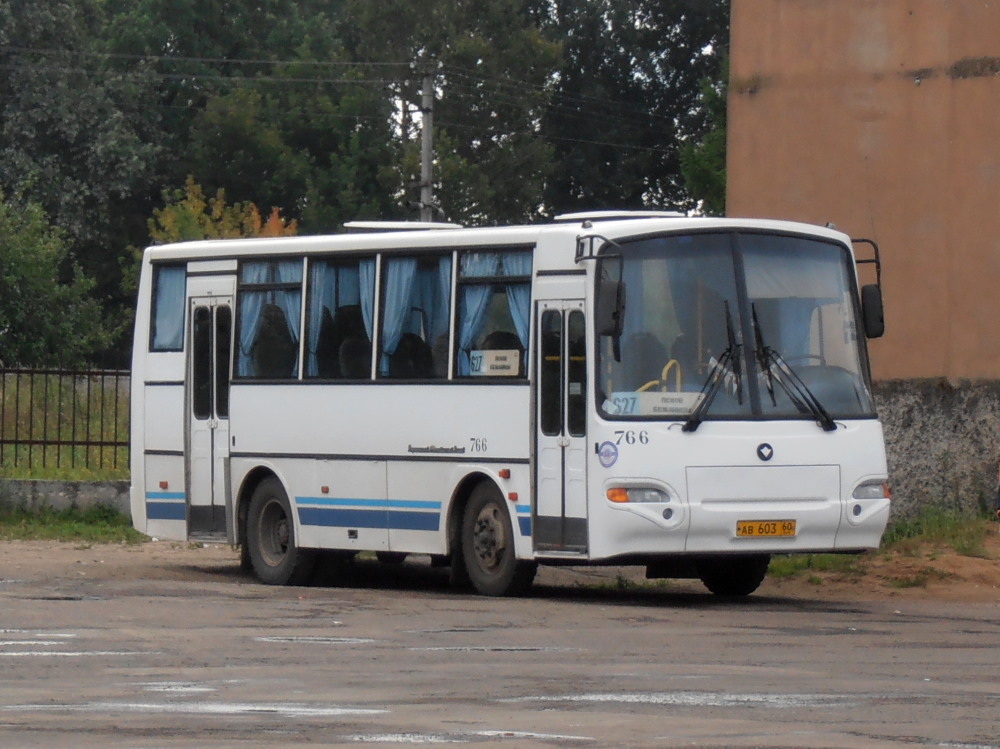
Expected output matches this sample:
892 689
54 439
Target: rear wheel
275 558
488 546
733 575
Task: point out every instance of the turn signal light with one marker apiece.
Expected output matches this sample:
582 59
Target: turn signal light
637 494
618 494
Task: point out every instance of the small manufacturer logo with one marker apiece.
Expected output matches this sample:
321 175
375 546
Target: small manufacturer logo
765 452
607 453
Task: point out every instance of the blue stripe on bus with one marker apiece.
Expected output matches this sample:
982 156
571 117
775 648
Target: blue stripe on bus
388 504
391 519
524 523
165 495
166 510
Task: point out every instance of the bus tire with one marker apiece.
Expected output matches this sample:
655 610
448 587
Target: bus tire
733 575
488 546
275 558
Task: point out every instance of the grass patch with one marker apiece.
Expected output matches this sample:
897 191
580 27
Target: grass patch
937 527
99 524
797 564
923 536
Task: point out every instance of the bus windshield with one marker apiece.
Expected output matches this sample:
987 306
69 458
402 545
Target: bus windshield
733 326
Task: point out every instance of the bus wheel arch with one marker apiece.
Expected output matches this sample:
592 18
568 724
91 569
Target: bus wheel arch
459 576
269 545
486 544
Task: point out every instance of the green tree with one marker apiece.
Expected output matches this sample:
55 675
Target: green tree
72 133
44 320
627 98
491 160
258 98
703 162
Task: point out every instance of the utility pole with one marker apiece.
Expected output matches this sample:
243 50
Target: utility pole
427 148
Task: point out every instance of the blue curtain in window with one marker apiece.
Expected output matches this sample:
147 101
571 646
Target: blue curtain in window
366 281
519 294
442 321
473 303
322 278
331 286
431 295
168 309
399 282
290 301
251 304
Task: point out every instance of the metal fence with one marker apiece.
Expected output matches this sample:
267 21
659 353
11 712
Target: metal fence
65 419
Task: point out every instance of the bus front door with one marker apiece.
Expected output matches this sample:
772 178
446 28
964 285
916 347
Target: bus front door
560 514
211 326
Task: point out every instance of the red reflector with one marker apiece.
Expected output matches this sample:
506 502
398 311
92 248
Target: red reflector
164 484
512 496
325 489
505 473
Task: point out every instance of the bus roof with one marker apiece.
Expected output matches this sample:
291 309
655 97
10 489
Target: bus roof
386 236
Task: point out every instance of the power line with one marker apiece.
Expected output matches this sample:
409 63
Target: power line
461 84
500 87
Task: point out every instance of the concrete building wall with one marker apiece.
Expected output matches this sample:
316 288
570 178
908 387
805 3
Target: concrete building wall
883 117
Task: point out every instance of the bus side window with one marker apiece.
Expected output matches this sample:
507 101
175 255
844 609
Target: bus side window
270 301
494 306
416 312
167 318
339 299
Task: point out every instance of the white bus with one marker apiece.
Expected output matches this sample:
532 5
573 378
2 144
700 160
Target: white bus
688 394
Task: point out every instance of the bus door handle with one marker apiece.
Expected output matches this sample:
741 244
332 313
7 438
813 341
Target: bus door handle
563 441
213 423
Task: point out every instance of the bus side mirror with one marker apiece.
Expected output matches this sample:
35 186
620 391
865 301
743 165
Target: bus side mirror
610 313
871 310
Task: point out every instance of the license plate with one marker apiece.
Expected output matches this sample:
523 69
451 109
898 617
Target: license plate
765 528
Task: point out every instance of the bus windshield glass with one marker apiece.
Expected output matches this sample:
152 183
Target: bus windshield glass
733 326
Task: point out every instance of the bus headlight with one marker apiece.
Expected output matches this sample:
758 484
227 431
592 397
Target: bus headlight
621 495
870 499
872 490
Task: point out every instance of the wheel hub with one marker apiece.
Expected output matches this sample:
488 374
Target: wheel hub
489 539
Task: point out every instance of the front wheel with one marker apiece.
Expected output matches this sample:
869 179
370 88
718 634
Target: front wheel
733 575
275 558
488 546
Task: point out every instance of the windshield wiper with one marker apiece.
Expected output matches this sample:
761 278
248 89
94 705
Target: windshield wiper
728 360
776 369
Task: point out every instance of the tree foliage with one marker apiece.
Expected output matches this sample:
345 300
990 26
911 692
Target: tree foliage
703 161
189 215
627 98
312 107
44 320
71 136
